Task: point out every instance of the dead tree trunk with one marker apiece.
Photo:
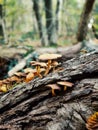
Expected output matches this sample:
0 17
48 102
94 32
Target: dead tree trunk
32 107
83 28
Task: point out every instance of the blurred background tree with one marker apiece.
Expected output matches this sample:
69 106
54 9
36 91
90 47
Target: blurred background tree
3 37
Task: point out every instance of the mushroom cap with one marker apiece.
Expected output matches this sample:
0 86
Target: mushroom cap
14 78
28 70
53 86
55 63
47 56
29 77
3 88
42 70
41 64
5 81
19 74
65 83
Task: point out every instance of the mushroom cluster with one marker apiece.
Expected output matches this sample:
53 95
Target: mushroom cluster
51 61
92 122
8 83
45 64
60 85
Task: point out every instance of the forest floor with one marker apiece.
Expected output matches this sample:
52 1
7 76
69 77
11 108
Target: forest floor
12 54
12 49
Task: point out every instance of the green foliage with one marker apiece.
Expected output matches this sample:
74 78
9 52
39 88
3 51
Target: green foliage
21 23
28 35
95 14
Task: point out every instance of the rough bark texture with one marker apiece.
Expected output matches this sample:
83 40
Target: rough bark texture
32 107
83 28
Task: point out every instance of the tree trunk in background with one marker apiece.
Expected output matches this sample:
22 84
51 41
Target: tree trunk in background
58 16
50 23
83 25
2 26
42 34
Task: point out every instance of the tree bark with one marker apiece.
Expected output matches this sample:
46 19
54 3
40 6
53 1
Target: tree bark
50 23
42 34
83 25
58 16
3 37
32 107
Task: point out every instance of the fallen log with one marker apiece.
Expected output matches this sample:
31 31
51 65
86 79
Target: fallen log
32 107
21 64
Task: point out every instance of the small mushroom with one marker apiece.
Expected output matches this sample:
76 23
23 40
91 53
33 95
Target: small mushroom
65 84
19 74
7 83
53 87
29 77
3 88
32 74
54 65
15 79
4 85
38 67
50 58
28 70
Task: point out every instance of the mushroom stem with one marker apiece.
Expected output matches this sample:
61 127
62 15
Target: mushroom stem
48 67
38 71
54 65
53 93
65 88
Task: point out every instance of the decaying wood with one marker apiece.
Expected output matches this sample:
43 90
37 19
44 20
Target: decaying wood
66 51
4 62
32 107
20 65
11 52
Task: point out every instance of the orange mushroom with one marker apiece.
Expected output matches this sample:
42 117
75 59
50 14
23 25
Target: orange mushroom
38 67
28 70
32 73
3 88
15 79
20 75
92 122
54 65
65 84
29 77
53 87
50 58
